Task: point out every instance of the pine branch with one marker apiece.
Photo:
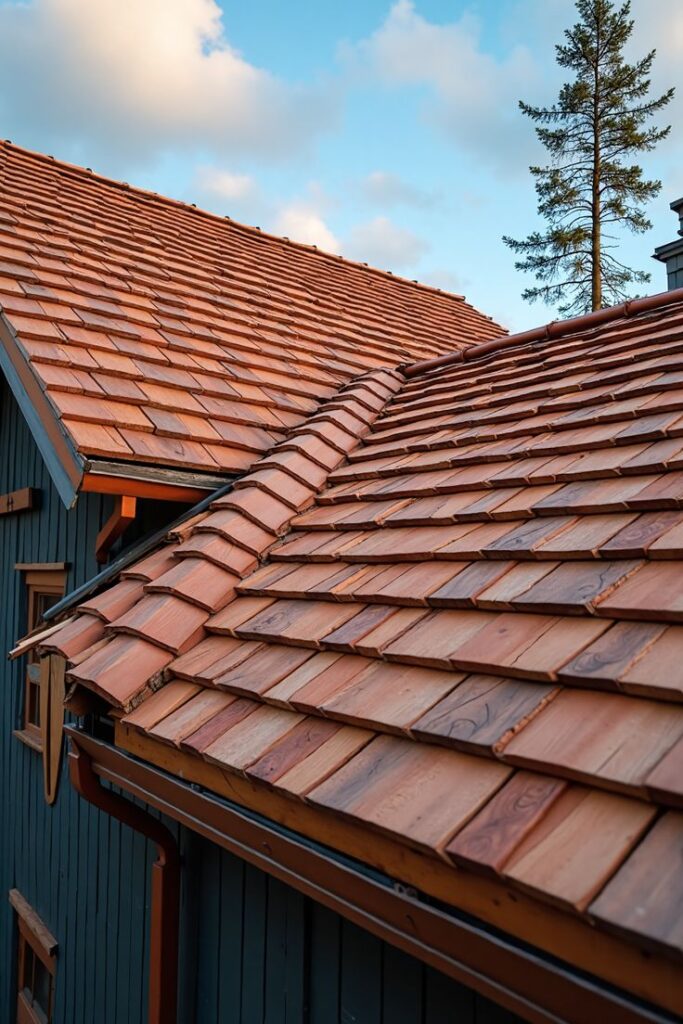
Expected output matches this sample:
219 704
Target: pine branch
592 132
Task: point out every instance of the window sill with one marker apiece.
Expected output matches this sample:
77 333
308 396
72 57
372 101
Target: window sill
30 739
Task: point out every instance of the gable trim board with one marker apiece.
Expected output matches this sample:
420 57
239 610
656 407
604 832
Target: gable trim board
64 464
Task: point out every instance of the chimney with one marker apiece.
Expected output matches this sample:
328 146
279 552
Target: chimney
672 254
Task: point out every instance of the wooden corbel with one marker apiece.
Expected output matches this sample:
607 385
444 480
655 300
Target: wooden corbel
119 521
52 693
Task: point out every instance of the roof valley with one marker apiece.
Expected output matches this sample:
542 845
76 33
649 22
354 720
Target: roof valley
207 555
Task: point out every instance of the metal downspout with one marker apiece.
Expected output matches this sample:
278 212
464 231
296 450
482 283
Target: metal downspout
165 905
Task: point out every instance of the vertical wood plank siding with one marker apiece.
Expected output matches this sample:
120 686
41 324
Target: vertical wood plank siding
252 950
675 272
278 958
82 873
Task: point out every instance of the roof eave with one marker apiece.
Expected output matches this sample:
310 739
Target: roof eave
494 964
665 252
163 483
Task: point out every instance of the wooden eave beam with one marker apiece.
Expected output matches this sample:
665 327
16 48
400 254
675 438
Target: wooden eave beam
541 990
123 515
162 483
101 483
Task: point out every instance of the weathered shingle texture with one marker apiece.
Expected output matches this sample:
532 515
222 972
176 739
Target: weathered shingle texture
470 640
167 336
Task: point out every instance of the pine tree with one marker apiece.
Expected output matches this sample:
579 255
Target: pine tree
590 187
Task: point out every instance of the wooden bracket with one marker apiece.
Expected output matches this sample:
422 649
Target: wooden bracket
120 519
17 501
52 692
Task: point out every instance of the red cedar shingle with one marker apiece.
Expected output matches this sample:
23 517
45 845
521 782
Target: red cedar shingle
177 313
559 549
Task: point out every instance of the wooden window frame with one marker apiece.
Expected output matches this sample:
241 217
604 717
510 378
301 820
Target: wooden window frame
40 580
33 935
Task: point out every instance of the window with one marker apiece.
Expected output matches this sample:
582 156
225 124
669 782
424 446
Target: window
36 961
44 588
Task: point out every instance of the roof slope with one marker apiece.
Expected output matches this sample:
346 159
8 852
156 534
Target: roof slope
470 643
167 336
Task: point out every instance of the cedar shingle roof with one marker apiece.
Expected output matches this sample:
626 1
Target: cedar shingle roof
166 336
469 642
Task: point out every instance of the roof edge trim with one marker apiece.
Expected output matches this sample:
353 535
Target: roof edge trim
109 477
62 461
553 329
665 252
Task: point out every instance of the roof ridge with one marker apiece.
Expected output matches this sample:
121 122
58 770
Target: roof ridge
546 332
251 230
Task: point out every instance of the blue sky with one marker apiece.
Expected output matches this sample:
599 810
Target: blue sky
387 131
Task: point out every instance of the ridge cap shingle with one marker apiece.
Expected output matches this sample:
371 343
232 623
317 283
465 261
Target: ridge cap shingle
251 501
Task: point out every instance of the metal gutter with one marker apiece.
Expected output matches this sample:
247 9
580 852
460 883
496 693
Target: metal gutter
132 554
554 329
538 988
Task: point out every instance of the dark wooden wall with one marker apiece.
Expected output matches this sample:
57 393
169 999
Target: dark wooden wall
253 951
67 860
675 272
267 955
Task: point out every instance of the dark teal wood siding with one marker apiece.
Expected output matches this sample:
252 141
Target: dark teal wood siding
267 955
253 951
81 871
675 273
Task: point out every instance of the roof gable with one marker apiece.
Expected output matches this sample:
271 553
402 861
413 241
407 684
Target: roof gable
142 331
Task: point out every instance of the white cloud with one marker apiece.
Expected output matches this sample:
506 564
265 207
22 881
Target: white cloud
235 188
140 78
384 244
387 189
301 222
659 25
446 280
472 93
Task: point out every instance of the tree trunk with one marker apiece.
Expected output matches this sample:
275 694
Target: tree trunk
596 269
